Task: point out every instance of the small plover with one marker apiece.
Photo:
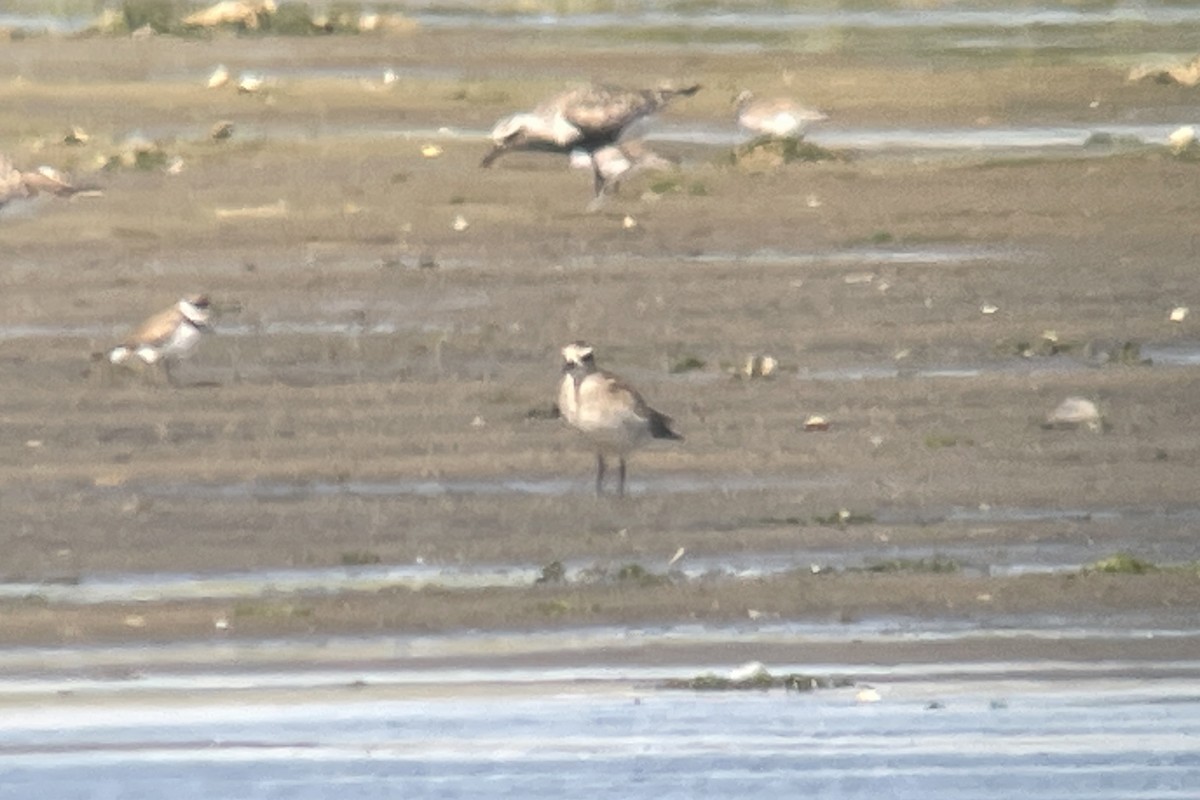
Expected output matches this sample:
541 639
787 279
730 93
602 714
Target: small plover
609 412
166 336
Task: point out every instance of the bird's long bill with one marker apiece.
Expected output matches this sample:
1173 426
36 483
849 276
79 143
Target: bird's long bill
496 151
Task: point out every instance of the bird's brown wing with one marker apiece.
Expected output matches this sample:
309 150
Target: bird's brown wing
624 394
605 110
156 330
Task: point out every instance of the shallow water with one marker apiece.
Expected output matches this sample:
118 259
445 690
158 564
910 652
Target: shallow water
751 17
1098 139
978 559
988 737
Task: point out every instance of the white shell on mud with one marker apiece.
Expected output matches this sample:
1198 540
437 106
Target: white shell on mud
76 135
868 694
759 366
219 77
250 84
749 671
1074 412
1182 138
1179 313
460 223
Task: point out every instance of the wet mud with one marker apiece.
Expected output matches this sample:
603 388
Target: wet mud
377 388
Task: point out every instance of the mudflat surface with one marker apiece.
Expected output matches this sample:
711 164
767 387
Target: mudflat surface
377 387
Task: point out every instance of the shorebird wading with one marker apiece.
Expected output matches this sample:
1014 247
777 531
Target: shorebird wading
609 412
168 335
588 118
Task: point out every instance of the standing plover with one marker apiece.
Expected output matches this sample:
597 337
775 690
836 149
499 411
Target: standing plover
168 335
780 117
609 412
588 118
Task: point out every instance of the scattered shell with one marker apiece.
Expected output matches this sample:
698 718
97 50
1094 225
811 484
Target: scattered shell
250 84
109 480
76 136
749 671
812 201
389 76
175 165
270 211
816 422
1181 139
760 367
478 422
1074 412
220 76
369 22
33 443
135 621
868 694
629 222
1179 313
678 555
430 150
221 130
460 223
988 308
858 278
221 624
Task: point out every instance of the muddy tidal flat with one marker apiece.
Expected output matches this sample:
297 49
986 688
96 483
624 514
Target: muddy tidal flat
355 500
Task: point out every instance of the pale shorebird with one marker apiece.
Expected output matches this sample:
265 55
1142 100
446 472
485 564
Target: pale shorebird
232 12
166 336
609 412
779 118
588 119
617 162
15 184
